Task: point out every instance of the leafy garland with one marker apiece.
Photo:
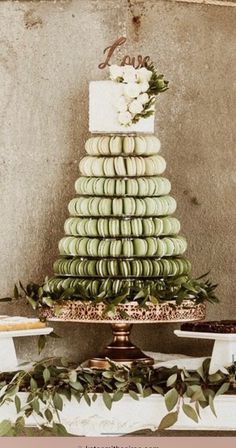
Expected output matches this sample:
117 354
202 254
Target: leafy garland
176 290
49 381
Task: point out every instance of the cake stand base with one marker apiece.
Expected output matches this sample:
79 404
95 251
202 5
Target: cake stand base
224 349
120 350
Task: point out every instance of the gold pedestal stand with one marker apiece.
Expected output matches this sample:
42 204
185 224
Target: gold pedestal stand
120 350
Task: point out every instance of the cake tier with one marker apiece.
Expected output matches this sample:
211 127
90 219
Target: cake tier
141 186
103 114
128 206
115 145
148 267
126 227
127 166
125 247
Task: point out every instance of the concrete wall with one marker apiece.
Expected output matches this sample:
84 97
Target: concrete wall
49 50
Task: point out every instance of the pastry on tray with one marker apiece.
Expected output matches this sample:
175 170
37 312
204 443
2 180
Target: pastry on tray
13 323
220 326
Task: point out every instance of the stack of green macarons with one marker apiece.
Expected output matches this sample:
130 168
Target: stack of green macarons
145 267
123 227
120 227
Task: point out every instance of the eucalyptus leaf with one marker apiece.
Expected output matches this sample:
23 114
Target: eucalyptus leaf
171 399
17 404
107 399
57 401
5 427
46 375
118 395
169 420
133 395
223 389
171 380
190 412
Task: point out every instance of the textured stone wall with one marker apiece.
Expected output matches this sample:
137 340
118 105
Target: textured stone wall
49 50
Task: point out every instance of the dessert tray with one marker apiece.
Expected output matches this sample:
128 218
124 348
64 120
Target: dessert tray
8 358
224 349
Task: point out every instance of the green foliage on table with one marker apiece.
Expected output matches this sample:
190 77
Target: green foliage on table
49 381
174 289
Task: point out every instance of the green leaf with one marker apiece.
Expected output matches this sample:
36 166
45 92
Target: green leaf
147 392
190 412
58 402
48 301
107 400
197 408
171 380
133 395
171 399
5 427
16 292
94 397
107 374
35 405
211 404
77 386
223 389
169 420
32 302
87 398
46 375
33 384
158 389
118 395
48 415
60 430
17 404
54 335
73 376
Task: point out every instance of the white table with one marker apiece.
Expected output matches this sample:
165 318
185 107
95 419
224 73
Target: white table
8 358
224 350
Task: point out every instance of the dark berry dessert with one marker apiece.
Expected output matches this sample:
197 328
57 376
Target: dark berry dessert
220 326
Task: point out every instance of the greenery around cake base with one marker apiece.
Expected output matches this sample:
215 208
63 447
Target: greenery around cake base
175 290
50 381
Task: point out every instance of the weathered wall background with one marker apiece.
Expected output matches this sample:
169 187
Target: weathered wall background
49 50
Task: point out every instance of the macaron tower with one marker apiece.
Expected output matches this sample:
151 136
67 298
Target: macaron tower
121 231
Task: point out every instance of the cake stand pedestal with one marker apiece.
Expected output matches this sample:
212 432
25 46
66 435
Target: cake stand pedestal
8 358
121 349
224 349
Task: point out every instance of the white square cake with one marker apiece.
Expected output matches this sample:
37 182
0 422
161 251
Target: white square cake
103 96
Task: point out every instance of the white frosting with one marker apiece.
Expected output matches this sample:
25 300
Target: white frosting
103 114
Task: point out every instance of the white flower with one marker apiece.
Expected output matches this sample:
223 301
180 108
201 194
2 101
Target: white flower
129 73
122 104
143 98
132 89
124 118
135 107
116 71
143 74
144 86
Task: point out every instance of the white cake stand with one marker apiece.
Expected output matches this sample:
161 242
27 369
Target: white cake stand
224 350
8 358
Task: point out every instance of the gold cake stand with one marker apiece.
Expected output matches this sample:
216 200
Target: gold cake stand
121 349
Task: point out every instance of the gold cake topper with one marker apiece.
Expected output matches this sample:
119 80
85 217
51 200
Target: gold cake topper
140 61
